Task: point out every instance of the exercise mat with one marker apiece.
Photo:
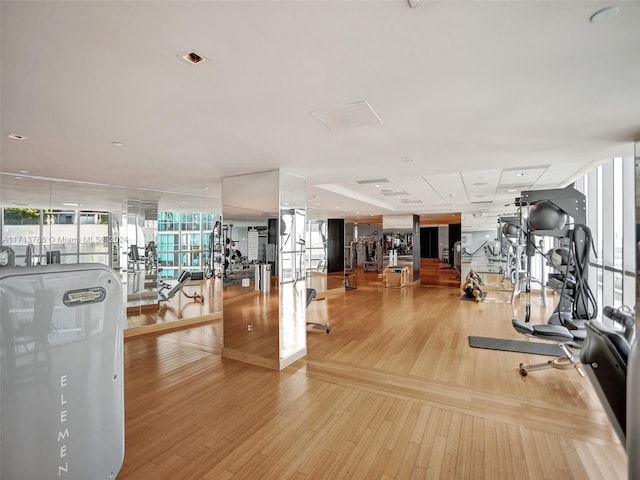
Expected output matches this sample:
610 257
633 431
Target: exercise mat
536 348
465 298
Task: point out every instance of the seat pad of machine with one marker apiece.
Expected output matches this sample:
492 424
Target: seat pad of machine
547 332
554 332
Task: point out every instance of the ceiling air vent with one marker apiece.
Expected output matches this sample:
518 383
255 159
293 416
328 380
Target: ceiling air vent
357 114
391 193
484 202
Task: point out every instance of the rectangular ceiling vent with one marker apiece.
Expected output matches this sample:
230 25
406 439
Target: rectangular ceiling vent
357 114
484 202
410 201
375 181
389 193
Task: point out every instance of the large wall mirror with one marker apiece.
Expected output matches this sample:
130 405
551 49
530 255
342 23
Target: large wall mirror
263 240
325 252
485 249
58 221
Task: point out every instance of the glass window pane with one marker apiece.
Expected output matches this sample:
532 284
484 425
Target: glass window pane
617 213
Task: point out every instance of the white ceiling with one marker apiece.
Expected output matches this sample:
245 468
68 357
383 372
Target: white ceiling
444 103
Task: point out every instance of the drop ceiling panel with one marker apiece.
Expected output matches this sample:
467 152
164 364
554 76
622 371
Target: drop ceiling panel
562 174
448 186
417 187
358 114
481 185
525 176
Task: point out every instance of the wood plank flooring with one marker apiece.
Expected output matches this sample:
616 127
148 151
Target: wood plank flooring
394 391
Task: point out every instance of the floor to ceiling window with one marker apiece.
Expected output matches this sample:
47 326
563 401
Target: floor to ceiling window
40 236
610 192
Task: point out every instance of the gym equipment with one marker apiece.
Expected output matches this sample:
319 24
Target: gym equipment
550 208
263 278
577 303
178 287
28 257
151 256
311 294
368 249
511 242
612 362
566 339
322 230
516 243
520 346
605 355
544 215
372 251
61 372
457 259
487 257
52 257
7 257
352 257
214 255
566 325
509 229
133 257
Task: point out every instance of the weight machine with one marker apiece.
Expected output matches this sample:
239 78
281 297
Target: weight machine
61 374
548 216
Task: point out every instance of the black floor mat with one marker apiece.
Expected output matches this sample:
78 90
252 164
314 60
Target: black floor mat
536 348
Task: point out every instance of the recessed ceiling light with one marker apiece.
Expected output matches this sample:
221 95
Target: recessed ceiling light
183 202
377 186
204 187
512 190
193 58
117 144
71 204
604 14
24 172
15 136
521 174
480 183
17 178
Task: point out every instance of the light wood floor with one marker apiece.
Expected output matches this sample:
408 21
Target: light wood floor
394 391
